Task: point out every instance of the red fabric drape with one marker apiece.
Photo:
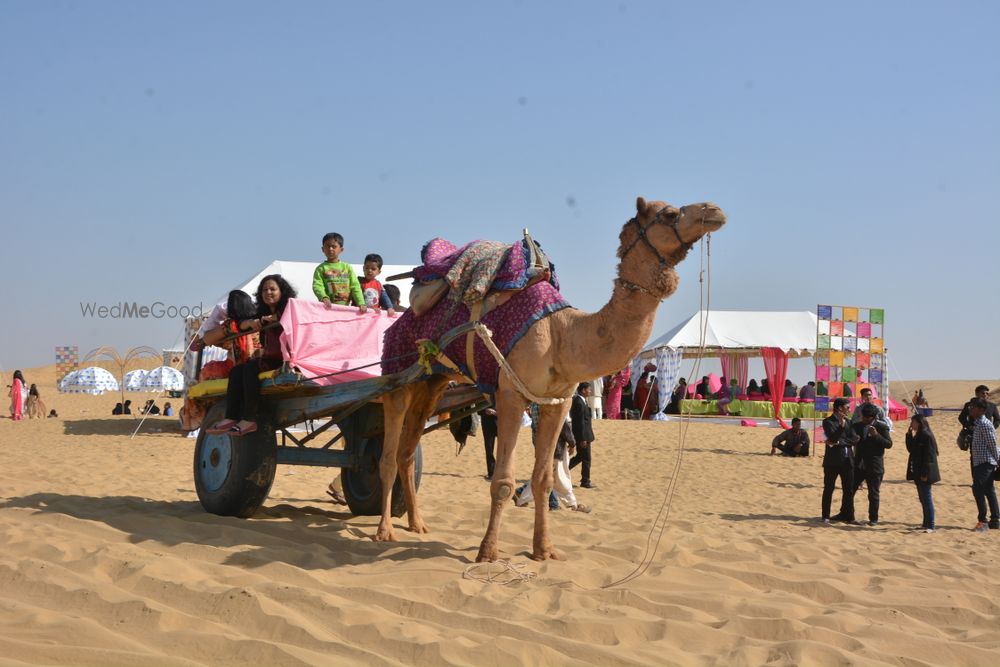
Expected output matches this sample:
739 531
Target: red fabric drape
776 370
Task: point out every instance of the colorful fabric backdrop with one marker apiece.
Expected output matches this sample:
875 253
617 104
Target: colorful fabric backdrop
67 360
850 350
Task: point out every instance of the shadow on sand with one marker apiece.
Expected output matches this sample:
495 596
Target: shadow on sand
308 537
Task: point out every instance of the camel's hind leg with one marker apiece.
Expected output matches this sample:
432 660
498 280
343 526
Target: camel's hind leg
510 406
395 405
428 394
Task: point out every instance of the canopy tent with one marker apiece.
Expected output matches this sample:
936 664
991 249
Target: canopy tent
733 336
300 276
741 332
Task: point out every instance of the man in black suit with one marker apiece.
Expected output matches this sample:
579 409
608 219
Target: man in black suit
874 440
579 413
839 461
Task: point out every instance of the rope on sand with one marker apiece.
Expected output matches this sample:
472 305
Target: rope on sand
501 572
655 534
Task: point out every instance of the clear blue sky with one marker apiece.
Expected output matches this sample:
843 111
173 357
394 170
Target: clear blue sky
154 151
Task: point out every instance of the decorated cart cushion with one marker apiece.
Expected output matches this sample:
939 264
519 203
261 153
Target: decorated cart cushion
218 387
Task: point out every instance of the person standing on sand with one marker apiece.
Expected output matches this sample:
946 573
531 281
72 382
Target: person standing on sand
583 433
922 466
839 461
992 413
613 395
596 400
36 408
985 459
488 422
870 456
866 399
16 393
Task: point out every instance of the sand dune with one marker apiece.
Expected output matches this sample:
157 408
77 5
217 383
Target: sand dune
109 559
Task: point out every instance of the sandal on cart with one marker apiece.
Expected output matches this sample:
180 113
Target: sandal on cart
246 430
221 427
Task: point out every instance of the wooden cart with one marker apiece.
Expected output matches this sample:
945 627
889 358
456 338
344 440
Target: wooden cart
233 475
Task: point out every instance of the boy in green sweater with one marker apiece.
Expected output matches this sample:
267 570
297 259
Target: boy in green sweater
334 281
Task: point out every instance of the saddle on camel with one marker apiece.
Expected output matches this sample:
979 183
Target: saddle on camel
543 345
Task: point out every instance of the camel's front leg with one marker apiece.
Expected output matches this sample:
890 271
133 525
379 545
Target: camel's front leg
550 421
510 406
394 410
420 411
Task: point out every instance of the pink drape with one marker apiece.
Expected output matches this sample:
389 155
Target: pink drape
319 340
776 370
738 366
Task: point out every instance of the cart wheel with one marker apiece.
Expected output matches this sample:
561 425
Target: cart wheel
233 475
363 487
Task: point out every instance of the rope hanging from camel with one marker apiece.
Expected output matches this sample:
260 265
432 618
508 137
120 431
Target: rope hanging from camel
430 352
487 337
660 521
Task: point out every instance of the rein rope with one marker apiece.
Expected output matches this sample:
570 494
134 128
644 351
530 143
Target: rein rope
655 535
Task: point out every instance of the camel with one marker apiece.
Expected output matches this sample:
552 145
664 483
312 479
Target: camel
557 353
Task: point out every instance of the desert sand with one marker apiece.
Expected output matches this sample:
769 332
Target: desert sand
107 558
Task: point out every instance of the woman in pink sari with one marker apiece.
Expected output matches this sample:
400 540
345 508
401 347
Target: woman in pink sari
613 393
16 394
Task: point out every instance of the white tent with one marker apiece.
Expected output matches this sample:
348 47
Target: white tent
300 276
740 332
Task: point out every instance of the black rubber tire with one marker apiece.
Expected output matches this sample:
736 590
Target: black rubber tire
363 486
233 475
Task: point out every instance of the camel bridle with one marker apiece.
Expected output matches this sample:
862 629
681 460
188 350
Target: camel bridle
657 220
664 262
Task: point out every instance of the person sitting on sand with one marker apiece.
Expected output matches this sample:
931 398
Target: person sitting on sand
793 441
53 413
243 391
168 410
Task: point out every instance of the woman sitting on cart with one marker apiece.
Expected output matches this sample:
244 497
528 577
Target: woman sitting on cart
236 335
243 392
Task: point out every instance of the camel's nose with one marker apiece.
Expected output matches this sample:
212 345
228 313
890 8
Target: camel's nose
707 213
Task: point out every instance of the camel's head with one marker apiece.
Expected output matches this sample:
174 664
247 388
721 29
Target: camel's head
664 234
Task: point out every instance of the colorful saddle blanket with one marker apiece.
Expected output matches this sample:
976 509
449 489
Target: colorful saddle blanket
472 271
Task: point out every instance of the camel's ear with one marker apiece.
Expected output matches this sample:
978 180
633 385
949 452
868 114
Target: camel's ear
640 204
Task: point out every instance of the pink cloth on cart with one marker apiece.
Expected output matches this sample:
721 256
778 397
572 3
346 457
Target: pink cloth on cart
319 340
